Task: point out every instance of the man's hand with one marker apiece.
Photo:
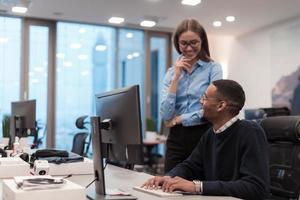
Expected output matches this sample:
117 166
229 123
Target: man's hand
156 181
178 183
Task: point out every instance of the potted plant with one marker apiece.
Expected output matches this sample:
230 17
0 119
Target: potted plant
5 129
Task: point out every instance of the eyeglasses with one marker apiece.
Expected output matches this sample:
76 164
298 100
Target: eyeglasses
206 98
192 43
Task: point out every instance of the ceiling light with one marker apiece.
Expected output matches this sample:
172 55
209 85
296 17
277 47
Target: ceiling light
116 20
60 55
3 40
217 23
136 54
39 69
17 6
129 56
68 64
75 45
82 57
190 2
101 47
129 35
19 9
230 18
148 23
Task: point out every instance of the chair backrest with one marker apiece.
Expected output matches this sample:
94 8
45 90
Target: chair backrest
79 143
283 134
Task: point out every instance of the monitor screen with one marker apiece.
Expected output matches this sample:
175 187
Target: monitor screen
254 114
123 141
22 118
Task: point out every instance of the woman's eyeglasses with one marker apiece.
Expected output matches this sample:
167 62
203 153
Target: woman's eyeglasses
186 43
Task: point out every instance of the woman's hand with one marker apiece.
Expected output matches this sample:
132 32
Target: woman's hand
181 63
173 122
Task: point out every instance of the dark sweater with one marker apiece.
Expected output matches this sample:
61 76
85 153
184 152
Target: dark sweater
231 163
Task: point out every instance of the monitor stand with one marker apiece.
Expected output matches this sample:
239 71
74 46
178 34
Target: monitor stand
98 191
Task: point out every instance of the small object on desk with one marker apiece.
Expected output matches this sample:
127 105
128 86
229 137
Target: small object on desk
38 182
157 192
63 190
41 167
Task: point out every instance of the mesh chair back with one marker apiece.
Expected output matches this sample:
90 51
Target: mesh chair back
79 143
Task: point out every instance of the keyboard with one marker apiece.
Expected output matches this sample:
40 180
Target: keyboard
157 192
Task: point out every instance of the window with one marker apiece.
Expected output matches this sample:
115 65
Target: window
158 70
38 72
85 66
132 61
10 59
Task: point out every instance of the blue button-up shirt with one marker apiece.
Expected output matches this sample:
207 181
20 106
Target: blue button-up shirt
190 88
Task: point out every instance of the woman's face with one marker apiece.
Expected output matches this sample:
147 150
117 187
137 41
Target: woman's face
189 44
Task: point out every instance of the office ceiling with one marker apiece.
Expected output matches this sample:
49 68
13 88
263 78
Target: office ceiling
250 14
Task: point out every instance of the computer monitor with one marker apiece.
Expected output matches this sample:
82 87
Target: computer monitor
254 114
22 121
116 132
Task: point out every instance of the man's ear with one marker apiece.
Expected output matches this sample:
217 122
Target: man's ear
221 106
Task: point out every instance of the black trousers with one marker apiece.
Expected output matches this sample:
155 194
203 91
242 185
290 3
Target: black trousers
181 142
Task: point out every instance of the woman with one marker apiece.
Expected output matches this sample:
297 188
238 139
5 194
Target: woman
184 84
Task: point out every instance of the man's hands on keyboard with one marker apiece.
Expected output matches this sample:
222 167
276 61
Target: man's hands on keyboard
169 184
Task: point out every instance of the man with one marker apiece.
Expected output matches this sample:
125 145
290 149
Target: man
231 158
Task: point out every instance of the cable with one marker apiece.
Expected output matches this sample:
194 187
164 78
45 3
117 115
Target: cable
91 183
68 176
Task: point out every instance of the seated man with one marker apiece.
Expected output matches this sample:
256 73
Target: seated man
231 159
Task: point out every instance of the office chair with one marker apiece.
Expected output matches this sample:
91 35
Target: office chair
80 146
79 143
80 122
283 135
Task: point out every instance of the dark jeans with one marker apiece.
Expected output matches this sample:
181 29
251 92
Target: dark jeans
181 142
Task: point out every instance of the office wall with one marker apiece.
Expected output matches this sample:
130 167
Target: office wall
259 59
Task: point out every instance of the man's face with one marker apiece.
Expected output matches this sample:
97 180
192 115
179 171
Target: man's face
210 103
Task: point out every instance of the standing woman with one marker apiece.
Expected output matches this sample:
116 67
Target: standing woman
184 84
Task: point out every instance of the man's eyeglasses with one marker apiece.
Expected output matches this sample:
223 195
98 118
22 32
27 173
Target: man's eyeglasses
192 43
205 98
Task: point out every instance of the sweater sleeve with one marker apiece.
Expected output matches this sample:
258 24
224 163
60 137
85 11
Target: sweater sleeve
253 180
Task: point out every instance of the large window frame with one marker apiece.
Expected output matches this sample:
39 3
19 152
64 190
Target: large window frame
51 88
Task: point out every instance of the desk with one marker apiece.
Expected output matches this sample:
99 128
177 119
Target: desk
124 179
